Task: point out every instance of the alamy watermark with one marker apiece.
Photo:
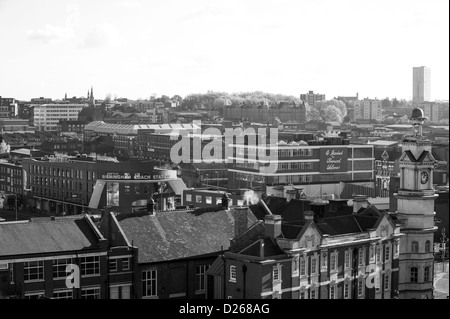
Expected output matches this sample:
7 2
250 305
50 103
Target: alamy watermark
73 279
260 146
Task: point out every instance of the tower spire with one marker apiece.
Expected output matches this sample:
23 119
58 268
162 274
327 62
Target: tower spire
92 101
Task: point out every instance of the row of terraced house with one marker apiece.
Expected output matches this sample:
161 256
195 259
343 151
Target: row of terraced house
277 248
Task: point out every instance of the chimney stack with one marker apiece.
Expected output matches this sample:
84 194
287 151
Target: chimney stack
240 215
272 225
278 191
309 215
359 201
290 194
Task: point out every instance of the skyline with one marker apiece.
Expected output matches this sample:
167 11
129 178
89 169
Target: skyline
135 49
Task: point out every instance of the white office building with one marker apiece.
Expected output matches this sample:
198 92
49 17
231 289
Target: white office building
47 116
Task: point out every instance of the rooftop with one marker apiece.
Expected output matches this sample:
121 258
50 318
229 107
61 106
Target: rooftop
44 235
180 234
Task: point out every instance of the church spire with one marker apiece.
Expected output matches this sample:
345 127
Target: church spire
92 94
88 95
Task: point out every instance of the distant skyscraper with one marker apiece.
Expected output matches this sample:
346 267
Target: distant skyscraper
421 84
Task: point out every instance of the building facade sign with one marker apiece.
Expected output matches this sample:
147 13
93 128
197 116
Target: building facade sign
140 176
333 159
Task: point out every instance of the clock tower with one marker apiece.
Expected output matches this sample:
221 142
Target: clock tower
415 212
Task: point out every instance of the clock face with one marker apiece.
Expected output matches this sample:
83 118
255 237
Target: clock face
424 177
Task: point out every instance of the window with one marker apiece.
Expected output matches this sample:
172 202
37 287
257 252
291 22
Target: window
313 265
34 270
34 295
414 247
201 277
233 273
119 292
386 281
414 274
59 268
360 286
90 266
90 293
276 273
302 266
324 261
427 246
361 257
113 265
378 253
334 261
11 273
332 292
347 259
188 198
208 200
149 283
426 274
295 266
125 264
387 252
302 294
346 290
63 294
198 198
397 247
313 293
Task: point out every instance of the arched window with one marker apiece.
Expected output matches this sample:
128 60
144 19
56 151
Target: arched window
414 274
427 246
414 247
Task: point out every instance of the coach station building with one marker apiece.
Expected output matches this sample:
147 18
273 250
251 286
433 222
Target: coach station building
70 185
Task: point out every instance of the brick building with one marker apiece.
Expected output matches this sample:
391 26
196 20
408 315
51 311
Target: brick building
176 248
34 255
293 252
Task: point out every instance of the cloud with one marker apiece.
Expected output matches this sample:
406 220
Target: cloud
212 11
52 33
103 35
49 33
127 5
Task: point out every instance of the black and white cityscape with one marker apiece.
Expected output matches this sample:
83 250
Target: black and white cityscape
217 150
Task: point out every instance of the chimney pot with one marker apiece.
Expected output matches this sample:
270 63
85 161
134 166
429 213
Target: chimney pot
309 215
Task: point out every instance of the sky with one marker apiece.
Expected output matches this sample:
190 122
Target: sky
136 49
